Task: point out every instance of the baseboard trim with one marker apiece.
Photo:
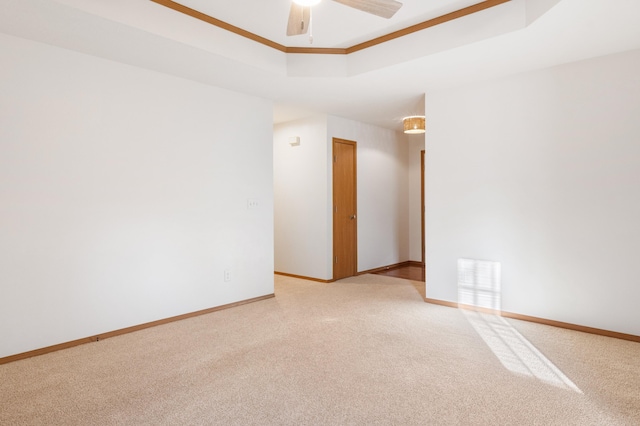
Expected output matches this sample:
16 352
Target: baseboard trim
441 302
302 277
107 335
384 268
559 324
369 271
394 266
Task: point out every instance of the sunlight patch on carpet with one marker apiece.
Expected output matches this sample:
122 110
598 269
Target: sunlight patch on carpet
515 352
479 289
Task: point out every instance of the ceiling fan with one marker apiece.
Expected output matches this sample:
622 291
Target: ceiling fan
300 13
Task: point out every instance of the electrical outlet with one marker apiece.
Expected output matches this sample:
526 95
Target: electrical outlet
227 275
252 203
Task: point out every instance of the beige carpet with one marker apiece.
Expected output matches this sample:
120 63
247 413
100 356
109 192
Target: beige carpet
363 351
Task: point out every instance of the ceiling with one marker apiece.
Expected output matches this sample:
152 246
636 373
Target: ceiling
377 85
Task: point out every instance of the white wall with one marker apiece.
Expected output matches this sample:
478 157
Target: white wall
302 195
383 187
123 196
540 172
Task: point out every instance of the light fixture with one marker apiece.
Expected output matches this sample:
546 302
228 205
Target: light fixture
306 2
413 124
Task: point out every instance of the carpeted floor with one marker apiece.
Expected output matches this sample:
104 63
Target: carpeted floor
362 351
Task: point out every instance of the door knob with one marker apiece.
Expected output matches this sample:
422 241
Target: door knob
353 217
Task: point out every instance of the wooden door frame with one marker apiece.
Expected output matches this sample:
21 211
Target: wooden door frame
422 207
355 201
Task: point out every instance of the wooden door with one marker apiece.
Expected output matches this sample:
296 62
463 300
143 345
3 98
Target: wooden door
345 219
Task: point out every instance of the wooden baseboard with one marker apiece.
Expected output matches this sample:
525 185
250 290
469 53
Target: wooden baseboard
370 271
394 266
560 324
384 268
121 331
302 277
441 302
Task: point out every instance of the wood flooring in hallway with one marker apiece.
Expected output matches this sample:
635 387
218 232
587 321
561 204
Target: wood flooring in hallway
408 272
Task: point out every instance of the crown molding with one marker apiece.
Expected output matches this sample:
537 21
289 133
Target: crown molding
176 6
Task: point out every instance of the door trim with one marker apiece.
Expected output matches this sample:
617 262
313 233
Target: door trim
422 207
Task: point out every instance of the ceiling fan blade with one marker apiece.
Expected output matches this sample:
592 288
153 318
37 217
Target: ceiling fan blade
298 19
382 8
